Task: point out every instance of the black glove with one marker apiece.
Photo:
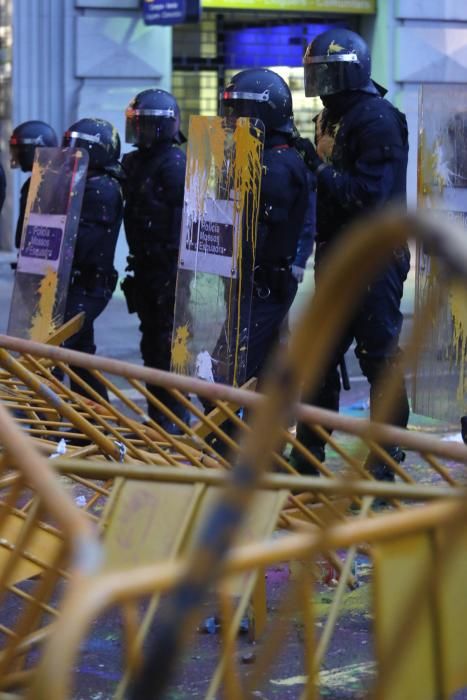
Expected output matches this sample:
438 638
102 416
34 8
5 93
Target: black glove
308 152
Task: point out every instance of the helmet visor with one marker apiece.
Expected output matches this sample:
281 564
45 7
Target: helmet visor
75 139
236 103
22 152
327 75
144 126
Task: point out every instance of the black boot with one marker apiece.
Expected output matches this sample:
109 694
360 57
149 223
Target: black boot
302 464
379 469
464 428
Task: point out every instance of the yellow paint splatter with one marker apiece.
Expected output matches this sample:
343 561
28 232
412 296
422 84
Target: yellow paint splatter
326 138
34 187
42 323
247 177
180 353
247 189
335 48
458 306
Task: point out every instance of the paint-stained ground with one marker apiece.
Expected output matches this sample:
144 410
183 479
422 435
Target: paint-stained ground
348 669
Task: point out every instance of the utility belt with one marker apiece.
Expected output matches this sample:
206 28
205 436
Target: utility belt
272 280
92 277
148 269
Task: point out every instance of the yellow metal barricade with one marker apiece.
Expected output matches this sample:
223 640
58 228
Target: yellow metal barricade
45 541
131 449
425 634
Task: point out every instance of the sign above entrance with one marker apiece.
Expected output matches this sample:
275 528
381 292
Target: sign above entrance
351 6
168 12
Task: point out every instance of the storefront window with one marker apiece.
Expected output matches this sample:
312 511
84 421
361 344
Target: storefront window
205 56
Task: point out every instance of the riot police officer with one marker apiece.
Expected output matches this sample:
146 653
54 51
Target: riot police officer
93 276
263 94
26 137
360 161
154 189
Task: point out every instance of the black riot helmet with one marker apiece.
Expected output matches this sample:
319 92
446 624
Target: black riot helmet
153 116
98 137
262 94
26 137
336 61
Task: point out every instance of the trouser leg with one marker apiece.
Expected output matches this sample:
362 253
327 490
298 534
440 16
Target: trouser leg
377 333
93 305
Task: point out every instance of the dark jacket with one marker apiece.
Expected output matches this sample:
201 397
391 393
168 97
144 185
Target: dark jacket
307 237
153 200
367 147
99 224
283 203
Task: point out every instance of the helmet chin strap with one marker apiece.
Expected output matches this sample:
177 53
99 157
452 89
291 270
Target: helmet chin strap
339 102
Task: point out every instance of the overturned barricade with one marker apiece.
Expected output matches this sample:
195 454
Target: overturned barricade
128 451
419 576
44 540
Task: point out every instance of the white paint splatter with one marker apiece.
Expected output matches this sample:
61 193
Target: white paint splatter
334 678
204 366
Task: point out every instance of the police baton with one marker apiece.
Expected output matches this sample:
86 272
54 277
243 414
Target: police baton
344 374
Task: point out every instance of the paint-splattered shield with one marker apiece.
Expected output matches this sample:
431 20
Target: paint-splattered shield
440 389
217 249
47 242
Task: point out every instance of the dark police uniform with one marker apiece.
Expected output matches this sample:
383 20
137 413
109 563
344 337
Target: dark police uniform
153 208
93 276
306 241
365 141
283 204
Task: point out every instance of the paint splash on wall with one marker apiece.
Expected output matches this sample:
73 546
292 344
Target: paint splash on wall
437 190
42 322
458 306
181 356
433 171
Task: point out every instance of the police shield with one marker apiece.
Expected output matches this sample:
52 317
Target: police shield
48 241
440 389
217 248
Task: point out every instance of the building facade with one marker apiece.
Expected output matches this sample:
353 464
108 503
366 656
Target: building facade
77 58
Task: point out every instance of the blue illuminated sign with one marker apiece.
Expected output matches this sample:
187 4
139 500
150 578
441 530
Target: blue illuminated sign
168 12
276 45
